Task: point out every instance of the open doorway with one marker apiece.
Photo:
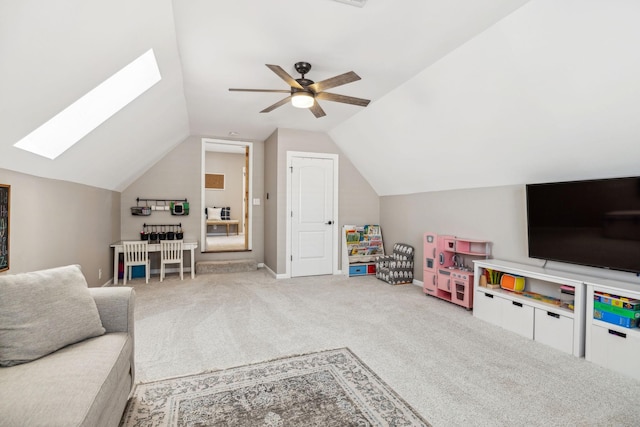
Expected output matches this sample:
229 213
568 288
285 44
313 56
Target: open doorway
226 191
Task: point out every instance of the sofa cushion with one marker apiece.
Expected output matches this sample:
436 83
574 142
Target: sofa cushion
84 384
43 311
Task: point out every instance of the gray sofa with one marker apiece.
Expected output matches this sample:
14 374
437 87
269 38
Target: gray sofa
83 383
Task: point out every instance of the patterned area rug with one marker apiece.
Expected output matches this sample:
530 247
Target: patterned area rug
329 388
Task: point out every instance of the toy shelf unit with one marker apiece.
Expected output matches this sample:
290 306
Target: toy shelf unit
447 272
361 245
548 309
612 336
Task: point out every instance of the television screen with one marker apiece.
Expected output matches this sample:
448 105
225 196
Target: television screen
594 222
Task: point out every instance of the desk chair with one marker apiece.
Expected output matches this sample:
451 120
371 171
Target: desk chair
136 253
170 253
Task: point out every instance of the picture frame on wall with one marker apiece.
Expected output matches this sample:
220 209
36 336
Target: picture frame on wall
5 200
214 181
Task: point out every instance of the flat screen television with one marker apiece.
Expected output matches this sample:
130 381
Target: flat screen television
594 222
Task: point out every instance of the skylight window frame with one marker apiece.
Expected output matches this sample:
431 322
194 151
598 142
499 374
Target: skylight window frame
68 127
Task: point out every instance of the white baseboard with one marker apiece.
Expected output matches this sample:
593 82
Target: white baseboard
273 273
418 283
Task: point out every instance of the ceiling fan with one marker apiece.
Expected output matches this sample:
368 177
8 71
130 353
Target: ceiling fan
305 93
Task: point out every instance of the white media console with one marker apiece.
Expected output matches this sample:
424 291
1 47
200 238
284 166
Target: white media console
572 331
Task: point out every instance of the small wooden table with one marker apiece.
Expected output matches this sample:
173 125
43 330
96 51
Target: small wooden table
226 222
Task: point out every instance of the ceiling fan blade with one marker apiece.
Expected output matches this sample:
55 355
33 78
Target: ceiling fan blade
342 98
317 110
285 76
260 90
340 80
277 104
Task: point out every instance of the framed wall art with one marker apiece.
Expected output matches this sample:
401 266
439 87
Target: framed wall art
5 199
214 181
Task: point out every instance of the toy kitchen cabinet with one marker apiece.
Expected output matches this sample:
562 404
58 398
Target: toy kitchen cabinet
447 271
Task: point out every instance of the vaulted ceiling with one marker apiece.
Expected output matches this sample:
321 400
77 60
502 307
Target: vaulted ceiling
465 93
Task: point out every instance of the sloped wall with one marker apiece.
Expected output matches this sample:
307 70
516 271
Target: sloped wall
549 93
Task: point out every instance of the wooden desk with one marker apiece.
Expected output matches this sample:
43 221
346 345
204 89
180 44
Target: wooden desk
226 222
153 247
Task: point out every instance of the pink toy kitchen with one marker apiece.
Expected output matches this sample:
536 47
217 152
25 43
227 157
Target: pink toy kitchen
448 267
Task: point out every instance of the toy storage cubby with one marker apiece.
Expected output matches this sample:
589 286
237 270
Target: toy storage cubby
541 312
361 245
611 346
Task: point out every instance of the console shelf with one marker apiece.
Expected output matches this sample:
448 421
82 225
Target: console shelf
549 324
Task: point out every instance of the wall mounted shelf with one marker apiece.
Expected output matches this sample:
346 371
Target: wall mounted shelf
175 206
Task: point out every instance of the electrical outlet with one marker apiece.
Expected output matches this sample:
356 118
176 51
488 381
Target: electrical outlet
99 273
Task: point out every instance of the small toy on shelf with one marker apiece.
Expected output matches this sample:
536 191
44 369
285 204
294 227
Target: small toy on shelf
493 277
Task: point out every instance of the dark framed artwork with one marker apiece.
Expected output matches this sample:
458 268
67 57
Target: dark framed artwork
5 199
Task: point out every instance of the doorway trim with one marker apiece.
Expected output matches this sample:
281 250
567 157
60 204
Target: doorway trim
248 203
334 232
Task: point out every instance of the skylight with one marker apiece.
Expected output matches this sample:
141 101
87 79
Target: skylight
73 123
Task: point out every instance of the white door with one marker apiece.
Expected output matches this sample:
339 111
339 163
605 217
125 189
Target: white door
312 221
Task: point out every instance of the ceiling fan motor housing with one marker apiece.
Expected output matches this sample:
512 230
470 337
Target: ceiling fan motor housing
302 68
305 83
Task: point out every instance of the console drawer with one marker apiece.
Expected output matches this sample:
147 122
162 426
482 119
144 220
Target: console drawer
554 330
517 317
615 349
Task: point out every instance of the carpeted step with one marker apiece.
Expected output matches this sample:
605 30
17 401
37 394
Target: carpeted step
226 266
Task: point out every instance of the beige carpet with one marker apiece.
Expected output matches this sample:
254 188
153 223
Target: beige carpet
449 366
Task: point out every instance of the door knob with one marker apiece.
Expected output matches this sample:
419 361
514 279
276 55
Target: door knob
329 222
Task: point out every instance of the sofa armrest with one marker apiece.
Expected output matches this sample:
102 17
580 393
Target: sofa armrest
115 305
116 308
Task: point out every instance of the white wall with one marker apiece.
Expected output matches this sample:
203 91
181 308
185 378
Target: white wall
55 223
358 203
271 202
496 214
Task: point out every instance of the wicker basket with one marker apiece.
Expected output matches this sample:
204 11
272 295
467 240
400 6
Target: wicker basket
141 210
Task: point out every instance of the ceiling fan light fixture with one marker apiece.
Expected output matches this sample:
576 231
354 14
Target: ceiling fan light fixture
302 99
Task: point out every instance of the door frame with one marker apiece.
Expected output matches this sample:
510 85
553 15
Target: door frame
335 229
248 219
